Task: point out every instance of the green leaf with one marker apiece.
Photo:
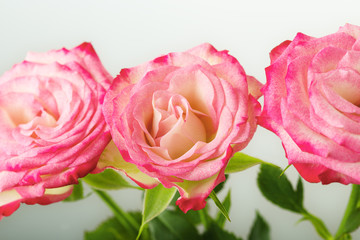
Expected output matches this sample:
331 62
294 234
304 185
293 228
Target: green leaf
205 218
240 162
214 232
300 191
111 229
156 200
77 193
192 216
220 219
353 222
170 225
260 229
219 205
279 190
107 180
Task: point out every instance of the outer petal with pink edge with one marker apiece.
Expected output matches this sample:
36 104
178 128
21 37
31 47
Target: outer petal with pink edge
52 127
311 102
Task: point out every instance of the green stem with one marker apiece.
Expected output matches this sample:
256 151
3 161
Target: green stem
319 225
140 231
125 219
351 206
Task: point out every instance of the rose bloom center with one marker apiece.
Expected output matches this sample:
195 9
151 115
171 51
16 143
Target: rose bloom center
174 125
25 111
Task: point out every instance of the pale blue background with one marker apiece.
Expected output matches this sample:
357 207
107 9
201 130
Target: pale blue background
128 33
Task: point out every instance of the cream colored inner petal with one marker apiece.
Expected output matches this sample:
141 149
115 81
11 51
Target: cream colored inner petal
9 196
5 118
24 110
177 128
44 119
21 114
58 191
349 92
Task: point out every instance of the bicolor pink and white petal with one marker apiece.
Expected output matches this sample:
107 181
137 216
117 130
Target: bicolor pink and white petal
52 130
180 117
311 101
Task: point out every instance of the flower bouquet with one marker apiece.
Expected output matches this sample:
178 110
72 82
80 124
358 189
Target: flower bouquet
174 128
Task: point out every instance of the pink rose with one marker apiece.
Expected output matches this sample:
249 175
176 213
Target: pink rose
179 118
52 130
312 103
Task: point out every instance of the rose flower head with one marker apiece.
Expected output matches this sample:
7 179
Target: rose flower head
179 118
311 101
52 130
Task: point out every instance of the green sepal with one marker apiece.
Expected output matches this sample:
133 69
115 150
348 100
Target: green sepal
240 162
109 179
220 218
221 185
220 206
77 193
